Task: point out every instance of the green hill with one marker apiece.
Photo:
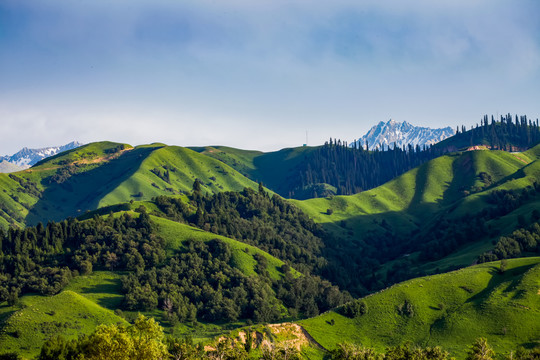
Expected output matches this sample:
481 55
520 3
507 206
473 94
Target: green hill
434 218
101 174
276 169
449 310
35 319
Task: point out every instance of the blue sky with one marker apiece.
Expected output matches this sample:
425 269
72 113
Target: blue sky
258 74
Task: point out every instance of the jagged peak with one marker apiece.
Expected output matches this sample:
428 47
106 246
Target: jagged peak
402 133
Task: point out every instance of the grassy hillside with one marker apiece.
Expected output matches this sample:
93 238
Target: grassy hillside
434 185
274 169
29 324
450 310
105 173
451 186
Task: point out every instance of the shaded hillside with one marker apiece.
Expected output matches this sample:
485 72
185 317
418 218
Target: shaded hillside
449 310
101 174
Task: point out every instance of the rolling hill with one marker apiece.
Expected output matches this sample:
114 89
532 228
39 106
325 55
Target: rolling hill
94 298
101 174
437 217
26 327
448 310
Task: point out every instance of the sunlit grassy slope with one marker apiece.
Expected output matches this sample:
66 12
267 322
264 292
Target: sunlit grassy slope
450 310
434 185
101 174
447 187
27 326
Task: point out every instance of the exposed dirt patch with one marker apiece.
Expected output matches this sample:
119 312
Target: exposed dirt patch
84 161
284 335
520 159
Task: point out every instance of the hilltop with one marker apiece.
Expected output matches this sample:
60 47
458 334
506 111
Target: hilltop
101 174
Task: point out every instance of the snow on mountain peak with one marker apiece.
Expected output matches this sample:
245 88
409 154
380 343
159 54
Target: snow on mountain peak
27 157
385 135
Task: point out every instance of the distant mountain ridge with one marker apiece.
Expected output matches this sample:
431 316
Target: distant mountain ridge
26 157
384 135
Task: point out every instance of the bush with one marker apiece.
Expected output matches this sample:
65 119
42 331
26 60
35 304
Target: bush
353 309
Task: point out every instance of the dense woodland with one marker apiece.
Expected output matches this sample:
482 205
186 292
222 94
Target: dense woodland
197 282
508 133
349 170
277 227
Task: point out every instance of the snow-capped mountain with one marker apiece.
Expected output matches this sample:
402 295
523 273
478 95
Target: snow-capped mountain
28 157
384 135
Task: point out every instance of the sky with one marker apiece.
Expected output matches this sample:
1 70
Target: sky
258 74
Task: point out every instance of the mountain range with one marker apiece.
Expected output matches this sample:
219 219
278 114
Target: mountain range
210 242
25 158
390 133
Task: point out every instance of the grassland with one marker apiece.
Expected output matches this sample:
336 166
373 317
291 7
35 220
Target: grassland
274 169
29 324
450 310
101 174
449 186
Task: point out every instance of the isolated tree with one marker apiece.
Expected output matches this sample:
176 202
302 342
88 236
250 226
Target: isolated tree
197 186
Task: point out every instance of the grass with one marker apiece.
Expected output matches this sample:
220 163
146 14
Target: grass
101 177
273 169
185 166
450 310
414 200
37 318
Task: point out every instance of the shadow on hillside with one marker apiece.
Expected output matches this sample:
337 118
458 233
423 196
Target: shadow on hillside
109 286
83 191
111 290
463 178
497 279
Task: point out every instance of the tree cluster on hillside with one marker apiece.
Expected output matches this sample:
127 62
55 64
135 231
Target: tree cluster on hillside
358 168
267 222
353 169
509 133
524 240
446 235
43 259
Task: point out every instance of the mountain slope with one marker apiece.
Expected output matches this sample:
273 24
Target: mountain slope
449 310
105 173
277 170
24 329
385 135
439 216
